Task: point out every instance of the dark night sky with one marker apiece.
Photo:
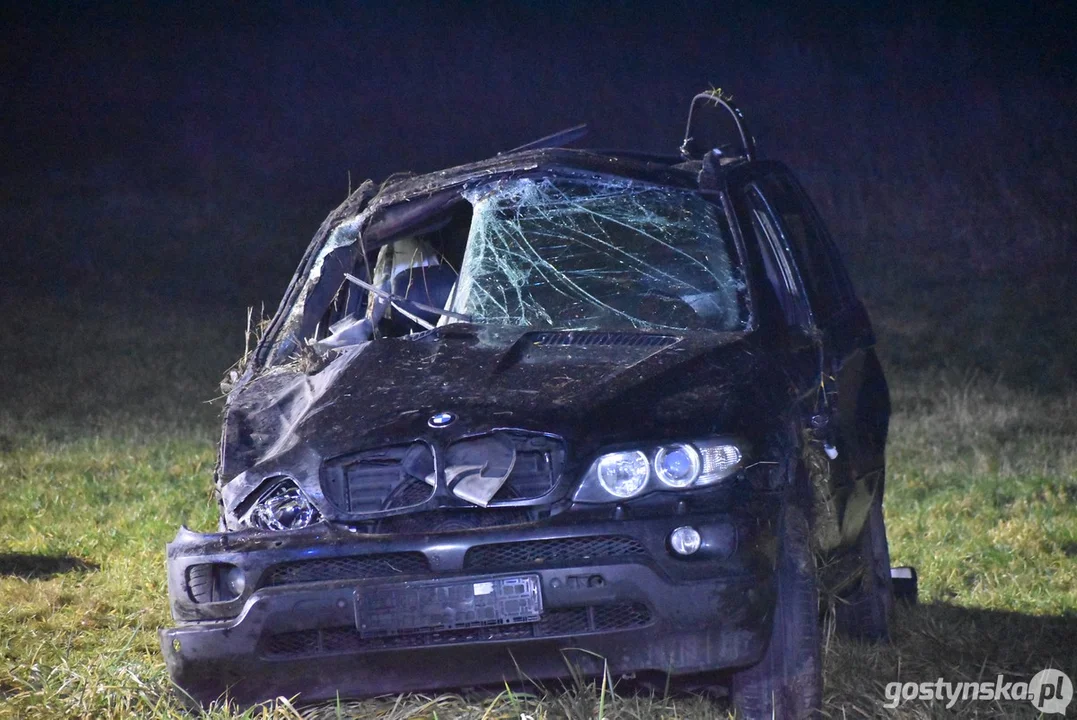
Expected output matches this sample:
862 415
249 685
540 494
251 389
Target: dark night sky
191 150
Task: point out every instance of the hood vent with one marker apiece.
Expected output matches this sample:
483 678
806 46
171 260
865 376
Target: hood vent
601 339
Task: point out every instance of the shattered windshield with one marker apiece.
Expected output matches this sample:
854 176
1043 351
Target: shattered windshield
616 254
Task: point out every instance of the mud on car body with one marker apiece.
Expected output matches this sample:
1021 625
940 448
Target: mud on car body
559 405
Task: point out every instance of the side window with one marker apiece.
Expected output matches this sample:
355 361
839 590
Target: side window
781 274
828 286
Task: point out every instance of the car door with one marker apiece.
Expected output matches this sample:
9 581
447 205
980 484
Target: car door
791 337
857 401
818 302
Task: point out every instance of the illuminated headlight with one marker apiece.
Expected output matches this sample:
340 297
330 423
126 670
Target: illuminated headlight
283 507
623 474
677 465
674 466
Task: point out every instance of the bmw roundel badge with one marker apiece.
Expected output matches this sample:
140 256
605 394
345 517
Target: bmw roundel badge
441 419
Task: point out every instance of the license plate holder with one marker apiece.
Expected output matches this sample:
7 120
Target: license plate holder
406 608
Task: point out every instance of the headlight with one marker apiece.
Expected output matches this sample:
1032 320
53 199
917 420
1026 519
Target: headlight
623 474
675 466
720 460
283 507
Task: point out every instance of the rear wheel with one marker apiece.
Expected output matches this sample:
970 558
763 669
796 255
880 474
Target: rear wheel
865 614
787 682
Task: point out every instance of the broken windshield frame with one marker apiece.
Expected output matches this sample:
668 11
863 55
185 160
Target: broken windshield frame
402 304
599 253
319 300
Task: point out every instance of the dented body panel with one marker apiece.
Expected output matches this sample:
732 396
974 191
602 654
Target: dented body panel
526 376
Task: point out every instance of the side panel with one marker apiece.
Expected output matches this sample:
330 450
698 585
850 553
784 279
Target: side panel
857 401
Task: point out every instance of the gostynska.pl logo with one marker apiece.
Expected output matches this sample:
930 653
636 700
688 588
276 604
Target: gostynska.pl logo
1049 691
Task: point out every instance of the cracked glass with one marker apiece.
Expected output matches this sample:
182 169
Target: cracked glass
599 254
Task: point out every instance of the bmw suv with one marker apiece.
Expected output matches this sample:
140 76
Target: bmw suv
556 407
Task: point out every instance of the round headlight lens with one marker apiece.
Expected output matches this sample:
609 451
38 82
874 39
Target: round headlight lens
284 508
623 474
677 465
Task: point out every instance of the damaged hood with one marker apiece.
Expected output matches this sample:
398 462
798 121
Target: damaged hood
591 388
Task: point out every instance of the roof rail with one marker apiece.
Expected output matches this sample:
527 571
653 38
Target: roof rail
694 148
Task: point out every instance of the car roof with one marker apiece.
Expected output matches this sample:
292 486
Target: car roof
655 168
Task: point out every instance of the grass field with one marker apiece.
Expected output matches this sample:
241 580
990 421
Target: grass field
106 446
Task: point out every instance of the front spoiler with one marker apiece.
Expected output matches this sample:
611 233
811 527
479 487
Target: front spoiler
701 616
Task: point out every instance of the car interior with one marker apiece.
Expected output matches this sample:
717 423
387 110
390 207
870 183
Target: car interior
413 277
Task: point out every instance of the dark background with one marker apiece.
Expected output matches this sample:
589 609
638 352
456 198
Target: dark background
163 167
184 153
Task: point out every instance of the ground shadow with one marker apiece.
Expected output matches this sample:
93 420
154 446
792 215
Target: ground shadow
39 567
940 641
973 641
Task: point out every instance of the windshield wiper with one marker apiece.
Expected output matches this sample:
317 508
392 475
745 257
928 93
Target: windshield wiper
402 304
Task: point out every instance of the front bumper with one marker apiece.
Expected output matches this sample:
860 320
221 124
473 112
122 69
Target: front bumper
611 588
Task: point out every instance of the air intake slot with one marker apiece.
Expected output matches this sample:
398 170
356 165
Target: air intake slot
357 567
526 554
601 339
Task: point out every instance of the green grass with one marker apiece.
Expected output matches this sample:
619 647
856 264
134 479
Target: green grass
106 446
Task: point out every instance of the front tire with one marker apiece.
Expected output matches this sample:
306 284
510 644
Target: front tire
787 682
865 614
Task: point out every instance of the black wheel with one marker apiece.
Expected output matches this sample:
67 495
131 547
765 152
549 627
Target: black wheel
865 614
787 682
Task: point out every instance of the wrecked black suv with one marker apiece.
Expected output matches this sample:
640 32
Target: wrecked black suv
557 407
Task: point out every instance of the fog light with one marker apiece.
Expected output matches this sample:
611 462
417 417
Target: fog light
214 582
232 582
685 540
